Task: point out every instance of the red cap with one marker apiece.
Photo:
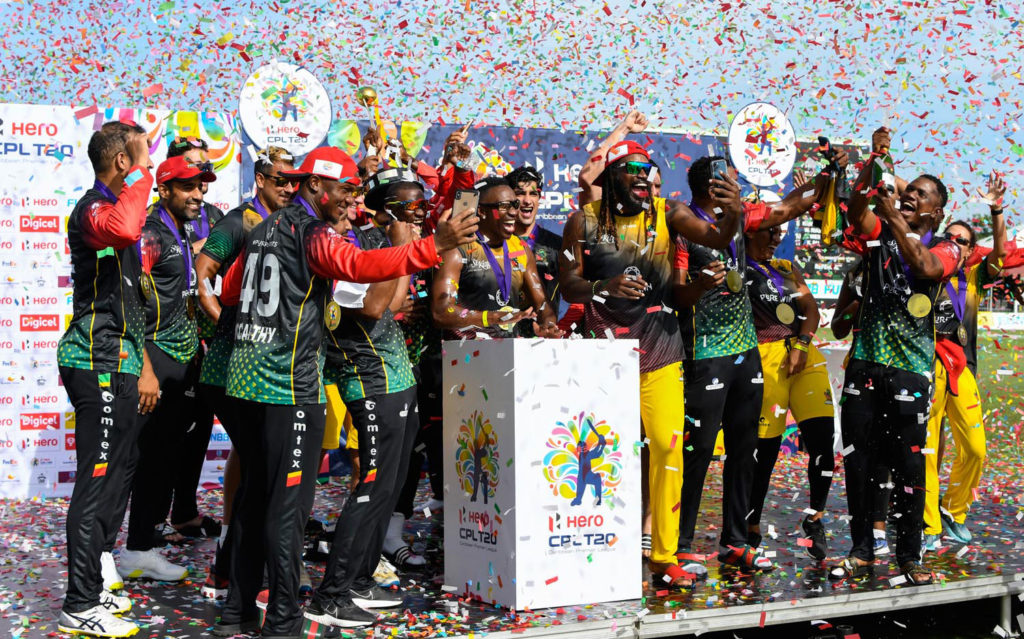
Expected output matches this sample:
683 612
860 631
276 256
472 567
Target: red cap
616 153
327 162
177 168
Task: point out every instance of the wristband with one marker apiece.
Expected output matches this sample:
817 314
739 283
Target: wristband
484 319
593 288
995 211
800 346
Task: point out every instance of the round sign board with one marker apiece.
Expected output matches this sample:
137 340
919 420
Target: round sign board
762 144
285 105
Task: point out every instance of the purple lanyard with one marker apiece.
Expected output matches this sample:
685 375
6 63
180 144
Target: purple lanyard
355 238
305 204
906 267
203 228
702 214
959 296
186 252
531 239
262 210
104 190
771 274
504 277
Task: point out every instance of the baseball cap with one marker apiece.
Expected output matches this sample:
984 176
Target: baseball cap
327 162
378 185
177 168
616 153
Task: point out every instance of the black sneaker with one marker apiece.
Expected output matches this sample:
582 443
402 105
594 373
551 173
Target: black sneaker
815 531
250 627
375 597
340 612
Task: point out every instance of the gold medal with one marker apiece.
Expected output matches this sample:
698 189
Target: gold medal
734 281
919 305
332 316
146 286
502 312
250 219
785 313
961 335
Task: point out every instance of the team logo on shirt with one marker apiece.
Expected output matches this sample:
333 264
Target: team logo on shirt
476 458
584 457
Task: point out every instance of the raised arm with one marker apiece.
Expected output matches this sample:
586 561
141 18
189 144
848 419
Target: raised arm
802 198
996 190
119 225
933 264
717 235
634 122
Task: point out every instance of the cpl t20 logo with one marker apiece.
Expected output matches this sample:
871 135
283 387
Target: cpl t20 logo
583 453
476 457
283 97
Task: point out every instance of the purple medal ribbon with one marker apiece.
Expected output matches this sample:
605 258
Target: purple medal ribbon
531 239
771 274
504 277
201 227
262 210
305 205
105 190
186 253
702 214
959 296
355 238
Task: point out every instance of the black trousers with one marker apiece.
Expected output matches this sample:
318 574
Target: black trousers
280 457
429 440
193 455
816 435
885 419
228 411
161 445
721 393
387 426
106 429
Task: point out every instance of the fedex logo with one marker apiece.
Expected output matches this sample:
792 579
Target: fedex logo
40 421
39 224
35 323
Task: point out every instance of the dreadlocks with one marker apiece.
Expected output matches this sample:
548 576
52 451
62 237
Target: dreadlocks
610 205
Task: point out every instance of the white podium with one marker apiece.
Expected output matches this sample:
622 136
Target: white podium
542 471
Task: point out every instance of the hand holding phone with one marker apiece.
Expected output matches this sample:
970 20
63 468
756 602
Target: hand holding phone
466 202
719 169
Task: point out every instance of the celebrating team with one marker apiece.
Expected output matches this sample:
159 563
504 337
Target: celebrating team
182 312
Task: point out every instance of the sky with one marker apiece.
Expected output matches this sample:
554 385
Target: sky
945 76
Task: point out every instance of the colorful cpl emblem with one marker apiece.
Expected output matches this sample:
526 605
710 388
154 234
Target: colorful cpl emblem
584 457
476 458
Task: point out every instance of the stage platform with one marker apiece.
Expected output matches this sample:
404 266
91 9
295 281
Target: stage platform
32 574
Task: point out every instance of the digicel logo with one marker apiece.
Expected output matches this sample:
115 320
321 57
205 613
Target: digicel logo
39 421
39 224
40 323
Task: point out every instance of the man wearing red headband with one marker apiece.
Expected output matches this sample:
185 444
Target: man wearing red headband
617 261
281 284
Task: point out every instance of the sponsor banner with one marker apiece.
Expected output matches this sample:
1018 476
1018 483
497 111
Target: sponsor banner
43 156
546 472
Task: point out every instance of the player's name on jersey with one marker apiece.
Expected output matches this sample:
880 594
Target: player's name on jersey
253 333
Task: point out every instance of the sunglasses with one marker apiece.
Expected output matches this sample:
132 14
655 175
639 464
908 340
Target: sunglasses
409 206
504 206
353 190
636 168
205 167
280 181
962 241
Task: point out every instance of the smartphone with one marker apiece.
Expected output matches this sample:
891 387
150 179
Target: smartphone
465 201
719 169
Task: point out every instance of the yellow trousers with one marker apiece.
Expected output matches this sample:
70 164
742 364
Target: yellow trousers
964 413
661 410
339 421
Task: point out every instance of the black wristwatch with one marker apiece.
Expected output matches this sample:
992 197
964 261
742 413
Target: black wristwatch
995 211
804 339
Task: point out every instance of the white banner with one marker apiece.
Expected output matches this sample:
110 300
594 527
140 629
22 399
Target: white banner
44 161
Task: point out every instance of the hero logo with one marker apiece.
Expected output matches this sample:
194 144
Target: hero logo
44 300
6 422
39 224
35 323
40 442
39 245
39 400
31 128
6 344
568 534
6 223
40 421
6 400
34 344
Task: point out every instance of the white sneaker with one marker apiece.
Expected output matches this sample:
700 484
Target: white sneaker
115 604
111 578
136 564
95 622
